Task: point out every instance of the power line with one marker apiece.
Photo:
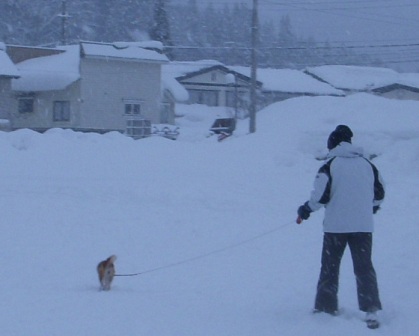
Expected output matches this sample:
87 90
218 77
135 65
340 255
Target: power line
372 63
344 5
367 55
370 46
330 12
347 8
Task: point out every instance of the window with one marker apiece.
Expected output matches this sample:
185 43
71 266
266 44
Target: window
138 128
61 111
205 97
26 105
132 109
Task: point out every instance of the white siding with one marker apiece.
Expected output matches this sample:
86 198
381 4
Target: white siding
7 103
211 88
107 84
42 117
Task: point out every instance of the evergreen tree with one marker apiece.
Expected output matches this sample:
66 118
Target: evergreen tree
110 21
239 32
266 58
193 23
216 32
188 30
12 28
30 23
160 28
286 35
81 25
285 43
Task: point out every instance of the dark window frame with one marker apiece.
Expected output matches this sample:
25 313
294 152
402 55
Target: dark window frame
61 111
26 105
133 109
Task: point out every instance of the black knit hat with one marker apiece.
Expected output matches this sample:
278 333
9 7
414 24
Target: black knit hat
341 133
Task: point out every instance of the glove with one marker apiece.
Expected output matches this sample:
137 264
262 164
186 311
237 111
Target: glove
304 211
375 208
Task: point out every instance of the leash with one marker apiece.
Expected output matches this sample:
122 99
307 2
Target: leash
208 254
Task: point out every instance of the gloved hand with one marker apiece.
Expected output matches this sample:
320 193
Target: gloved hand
304 211
375 208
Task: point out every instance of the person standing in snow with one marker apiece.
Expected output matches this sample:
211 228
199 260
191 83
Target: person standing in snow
351 189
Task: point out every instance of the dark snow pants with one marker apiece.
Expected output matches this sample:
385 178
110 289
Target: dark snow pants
360 245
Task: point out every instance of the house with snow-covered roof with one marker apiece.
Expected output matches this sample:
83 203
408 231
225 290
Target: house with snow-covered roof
211 83
8 71
406 87
214 84
90 86
379 81
353 79
281 84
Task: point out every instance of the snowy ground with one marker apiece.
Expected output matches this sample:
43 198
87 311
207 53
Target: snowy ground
220 215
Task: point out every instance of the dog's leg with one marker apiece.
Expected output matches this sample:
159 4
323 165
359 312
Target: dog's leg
102 285
107 279
101 274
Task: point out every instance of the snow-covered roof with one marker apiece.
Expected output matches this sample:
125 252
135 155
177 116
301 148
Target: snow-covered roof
7 68
57 72
290 81
177 90
49 73
279 80
119 50
179 69
154 45
408 79
173 70
355 78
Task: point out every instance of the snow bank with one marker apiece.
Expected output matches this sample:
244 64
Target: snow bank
71 199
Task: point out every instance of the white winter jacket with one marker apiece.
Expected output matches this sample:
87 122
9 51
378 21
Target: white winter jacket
348 186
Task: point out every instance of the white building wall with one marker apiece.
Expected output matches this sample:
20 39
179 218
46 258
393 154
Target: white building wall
217 83
42 117
108 84
7 103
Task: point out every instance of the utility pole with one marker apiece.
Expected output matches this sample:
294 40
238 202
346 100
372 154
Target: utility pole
64 16
253 97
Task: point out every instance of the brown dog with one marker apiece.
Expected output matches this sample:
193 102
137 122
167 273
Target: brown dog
106 272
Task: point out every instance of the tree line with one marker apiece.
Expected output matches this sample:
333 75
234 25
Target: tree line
188 31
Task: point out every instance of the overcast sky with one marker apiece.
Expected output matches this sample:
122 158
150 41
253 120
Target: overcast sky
354 22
